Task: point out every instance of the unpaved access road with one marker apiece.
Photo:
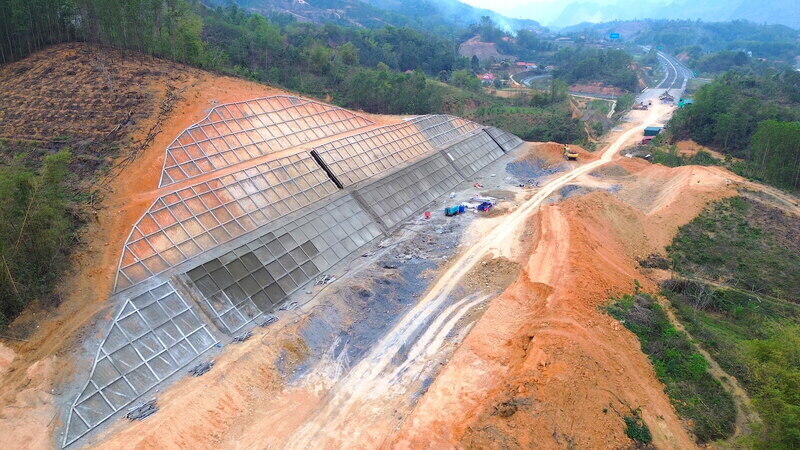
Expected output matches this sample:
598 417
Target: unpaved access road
358 410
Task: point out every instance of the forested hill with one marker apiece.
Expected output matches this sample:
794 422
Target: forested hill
441 17
767 41
752 118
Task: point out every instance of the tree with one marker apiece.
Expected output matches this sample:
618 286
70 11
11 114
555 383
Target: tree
475 63
776 153
35 230
558 90
347 54
465 80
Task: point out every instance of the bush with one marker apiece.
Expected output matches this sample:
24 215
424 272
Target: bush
695 393
636 429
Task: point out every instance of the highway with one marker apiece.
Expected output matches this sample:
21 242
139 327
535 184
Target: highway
676 78
677 74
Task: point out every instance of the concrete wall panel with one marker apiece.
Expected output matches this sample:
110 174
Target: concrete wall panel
399 195
256 277
236 132
473 153
195 219
154 335
506 140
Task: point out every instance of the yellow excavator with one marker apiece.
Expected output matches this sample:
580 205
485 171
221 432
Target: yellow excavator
570 155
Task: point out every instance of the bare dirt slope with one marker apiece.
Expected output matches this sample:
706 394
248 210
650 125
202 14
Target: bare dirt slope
545 366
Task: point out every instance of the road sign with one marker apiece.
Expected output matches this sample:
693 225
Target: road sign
613 36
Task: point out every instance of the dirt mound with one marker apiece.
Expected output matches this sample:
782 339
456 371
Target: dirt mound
691 148
611 171
483 50
596 88
545 366
554 151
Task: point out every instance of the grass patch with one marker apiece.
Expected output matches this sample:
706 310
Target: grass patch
751 327
696 395
743 243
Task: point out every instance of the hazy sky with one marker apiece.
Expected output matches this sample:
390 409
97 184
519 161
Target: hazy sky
542 10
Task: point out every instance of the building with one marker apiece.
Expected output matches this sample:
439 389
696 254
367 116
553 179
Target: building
487 78
526 65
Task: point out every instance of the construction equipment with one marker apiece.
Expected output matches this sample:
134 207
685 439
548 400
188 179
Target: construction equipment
570 155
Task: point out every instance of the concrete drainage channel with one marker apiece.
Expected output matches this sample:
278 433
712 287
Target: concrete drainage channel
209 262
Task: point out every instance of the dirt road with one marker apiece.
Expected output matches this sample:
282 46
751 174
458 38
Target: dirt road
354 411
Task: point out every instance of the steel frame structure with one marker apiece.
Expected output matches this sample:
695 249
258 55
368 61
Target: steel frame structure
152 337
358 157
183 224
235 132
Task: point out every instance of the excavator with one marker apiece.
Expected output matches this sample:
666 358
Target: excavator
570 155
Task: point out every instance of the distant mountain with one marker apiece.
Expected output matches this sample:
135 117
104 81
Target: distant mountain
452 12
437 16
558 14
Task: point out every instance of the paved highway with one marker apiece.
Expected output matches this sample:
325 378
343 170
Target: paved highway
677 74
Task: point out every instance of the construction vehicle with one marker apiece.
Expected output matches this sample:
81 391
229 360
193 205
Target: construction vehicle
652 131
451 211
485 207
570 155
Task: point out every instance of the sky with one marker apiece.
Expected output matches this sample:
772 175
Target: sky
552 12
541 10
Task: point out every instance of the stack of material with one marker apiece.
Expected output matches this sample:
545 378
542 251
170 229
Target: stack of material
145 410
201 368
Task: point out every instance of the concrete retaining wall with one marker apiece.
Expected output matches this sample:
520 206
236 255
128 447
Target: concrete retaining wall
256 277
399 195
473 153
505 139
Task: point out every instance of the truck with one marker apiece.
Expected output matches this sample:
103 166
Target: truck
652 131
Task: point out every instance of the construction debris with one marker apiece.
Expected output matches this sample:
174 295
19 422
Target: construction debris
147 409
201 368
324 279
269 320
243 337
288 306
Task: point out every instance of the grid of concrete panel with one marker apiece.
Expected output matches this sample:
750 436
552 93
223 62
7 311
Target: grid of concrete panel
506 140
192 220
473 153
399 195
377 151
442 129
154 335
256 277
363 155
237 132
